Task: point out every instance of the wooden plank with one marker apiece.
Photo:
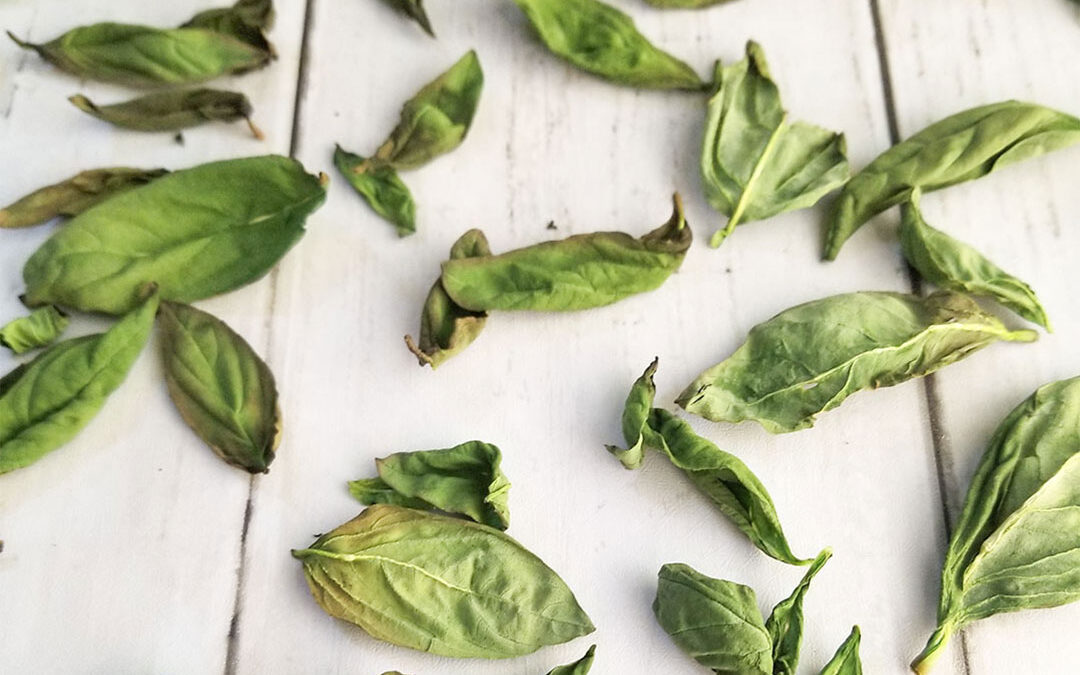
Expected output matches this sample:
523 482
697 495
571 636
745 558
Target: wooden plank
945 57
552 144
122 548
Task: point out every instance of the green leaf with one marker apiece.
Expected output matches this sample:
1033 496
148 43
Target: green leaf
953 265
785 624
40 328
221 387
141 56
414 9
846 660
381 187
465 479
446 328
46 402
579 272
172 110
580 667
716 622
74 195
637 433
196 233
962 147
754 162
602 40
1017 544
811 357
247 21
440 585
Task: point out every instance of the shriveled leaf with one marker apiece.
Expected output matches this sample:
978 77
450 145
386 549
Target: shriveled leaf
579 272
247 21
811 357
951 264
172 110
580 667
604 41
441 585
961 147
40 328
74 195
414 9
637 433
785 624
846 660
197 233
754 162
46 402
222 388
381 188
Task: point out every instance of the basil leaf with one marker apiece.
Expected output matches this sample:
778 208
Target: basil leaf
74 195
40 328
951 264
172 110
785 624
580 667
46 402
962 147
141 56
637 433
381 187
414 9
246 21
1017 544
846 660
579 272
441 585
602 40
221 387
197 233
446 328
465 479
811 357
716 622
756 164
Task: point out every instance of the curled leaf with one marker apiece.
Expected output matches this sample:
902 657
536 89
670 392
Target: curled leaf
172 110
40 328
785 624
247 21
381 187
580 667
74 195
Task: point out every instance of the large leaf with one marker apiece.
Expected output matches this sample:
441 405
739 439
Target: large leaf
41 327
962 147
754 162
441 585
74 195
580 667
45 403
196 233
809 358
172 110
846 660
785 624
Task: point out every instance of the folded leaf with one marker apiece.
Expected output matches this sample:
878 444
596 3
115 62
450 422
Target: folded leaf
756 164
41 327
247 21
580 667
846 660
953 265
441 585
45 403
1017 544
197 233
962 147
172 110
414 9
637 432
221 387
74 195
602 40
141 56
465 479
785 624
579 272
381 187
811 357
446 328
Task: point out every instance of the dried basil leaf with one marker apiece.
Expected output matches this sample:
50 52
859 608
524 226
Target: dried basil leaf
446 328
414 9
846 660
1017 544
962 147
247 21
74 195
755 164
465 479
604 41
172 110
40 328
580 667
953 265
579 272
141 56
811 357
785 624
441 585
221 387
196 232
381 187
45 403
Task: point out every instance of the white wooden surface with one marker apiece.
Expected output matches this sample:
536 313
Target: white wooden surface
128 550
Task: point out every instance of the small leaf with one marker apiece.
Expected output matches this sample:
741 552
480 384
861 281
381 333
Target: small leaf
637 433
39 329
580 667
172 110
74 195
785 624
221 387
381 187
414 9
846 660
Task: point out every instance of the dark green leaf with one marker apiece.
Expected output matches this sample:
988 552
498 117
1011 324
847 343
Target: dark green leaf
785 624
414 9
40 328
74 195
172 110
246 21
846 660
580 667
382 188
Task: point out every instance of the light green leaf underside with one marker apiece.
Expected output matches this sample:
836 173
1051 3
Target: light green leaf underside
38 329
